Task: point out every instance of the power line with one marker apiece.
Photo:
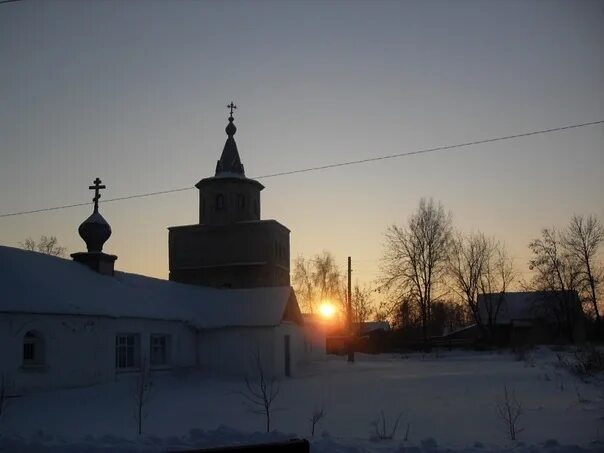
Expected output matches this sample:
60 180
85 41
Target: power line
431 150
324 167
128 197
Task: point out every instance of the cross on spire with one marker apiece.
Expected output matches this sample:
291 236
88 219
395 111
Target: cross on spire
97 187
232 107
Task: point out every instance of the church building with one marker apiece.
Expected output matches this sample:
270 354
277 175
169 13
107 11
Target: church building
227 308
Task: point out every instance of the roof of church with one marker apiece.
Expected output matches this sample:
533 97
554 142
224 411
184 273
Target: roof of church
32 282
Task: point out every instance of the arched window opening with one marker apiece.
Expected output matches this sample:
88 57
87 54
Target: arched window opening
219 202
33 349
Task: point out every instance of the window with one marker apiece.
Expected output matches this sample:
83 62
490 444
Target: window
33 349
127 347
219 202
159 350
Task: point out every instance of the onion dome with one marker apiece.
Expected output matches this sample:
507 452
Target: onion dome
95 231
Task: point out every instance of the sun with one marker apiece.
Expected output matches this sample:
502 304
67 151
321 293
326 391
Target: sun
327 310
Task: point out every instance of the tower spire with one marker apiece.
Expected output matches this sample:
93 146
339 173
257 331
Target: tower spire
230 162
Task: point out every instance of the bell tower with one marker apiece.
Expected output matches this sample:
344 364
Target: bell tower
231 247
229 196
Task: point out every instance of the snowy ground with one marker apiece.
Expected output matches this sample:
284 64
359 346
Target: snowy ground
448 400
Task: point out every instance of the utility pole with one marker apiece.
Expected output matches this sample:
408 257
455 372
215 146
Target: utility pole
350 326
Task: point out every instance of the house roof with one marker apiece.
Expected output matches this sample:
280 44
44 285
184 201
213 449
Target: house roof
371 326
32 282
527 305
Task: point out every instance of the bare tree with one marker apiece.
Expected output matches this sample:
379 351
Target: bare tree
261 392
468 259
557 275
415 258
362 304
497 277
510 409
317 279
582 239
141 394
318 414
381 430
48 245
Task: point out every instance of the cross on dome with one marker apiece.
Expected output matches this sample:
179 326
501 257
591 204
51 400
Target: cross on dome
97 195
232 106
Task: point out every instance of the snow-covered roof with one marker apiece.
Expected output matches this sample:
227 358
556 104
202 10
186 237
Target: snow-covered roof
526 305
371 326
32 282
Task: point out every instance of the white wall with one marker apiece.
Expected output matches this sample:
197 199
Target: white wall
232 351
80 350
314 335
298 356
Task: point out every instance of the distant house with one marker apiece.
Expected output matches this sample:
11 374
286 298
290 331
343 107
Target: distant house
373 326
369 337
533 317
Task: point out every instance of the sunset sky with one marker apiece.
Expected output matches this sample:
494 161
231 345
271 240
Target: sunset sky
136 92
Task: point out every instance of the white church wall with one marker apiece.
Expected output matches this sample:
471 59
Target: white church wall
315 338
81 350
297 355
232 351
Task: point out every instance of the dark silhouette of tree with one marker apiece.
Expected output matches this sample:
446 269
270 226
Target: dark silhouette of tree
415 258
556 274
468 259
362 304
317 279
48 245
480 265
581 241
496 279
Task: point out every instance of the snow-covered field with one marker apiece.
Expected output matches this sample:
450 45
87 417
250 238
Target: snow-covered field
447 402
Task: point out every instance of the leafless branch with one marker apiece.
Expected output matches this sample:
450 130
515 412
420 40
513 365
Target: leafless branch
380 427
141 394
261 392
510 409
318 414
